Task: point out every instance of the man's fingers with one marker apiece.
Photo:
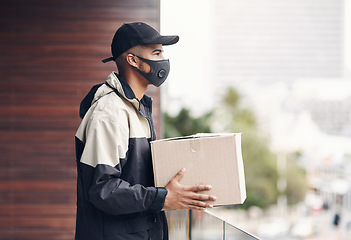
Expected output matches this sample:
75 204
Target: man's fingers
187 197
200 204
179 175
195 204
198 188
203 197
197 208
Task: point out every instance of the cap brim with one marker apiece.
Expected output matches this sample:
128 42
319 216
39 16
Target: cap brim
165 40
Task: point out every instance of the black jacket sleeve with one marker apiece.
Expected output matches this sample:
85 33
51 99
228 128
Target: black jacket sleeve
105 145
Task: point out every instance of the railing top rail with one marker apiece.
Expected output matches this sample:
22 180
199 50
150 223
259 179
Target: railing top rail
214 215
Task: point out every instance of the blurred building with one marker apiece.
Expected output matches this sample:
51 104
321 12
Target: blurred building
332 117
274 51
243 42
269 41
290 61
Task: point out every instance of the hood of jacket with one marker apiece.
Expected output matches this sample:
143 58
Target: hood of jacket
113 83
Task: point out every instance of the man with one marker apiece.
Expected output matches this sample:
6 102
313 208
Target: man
116 197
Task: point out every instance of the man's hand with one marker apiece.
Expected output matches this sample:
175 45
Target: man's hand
186 197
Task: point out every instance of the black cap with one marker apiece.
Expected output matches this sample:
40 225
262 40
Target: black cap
136 33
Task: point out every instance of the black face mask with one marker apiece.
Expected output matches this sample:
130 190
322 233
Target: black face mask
159 70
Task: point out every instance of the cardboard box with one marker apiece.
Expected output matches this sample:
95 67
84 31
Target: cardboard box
211 159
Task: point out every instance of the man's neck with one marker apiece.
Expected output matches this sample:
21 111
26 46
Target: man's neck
138 86
138 89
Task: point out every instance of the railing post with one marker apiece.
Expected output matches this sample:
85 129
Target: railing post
190 222
223 230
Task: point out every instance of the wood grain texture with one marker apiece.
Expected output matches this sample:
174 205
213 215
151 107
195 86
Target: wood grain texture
50 57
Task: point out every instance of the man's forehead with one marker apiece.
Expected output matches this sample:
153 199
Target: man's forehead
146 48
153 47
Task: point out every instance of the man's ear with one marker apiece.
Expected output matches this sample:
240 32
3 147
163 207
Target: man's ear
132 60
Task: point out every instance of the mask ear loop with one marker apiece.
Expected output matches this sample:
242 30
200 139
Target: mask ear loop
144 74
144 60
160 74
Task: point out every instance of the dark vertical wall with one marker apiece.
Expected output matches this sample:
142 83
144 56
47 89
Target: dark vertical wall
50 56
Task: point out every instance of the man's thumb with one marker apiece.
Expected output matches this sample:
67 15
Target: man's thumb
179 175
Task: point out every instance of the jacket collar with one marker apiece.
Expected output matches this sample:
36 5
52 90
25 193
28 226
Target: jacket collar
124 90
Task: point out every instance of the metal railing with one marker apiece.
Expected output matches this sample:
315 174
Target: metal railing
202 225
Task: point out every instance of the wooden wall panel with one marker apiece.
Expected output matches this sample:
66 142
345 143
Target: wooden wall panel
50 56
